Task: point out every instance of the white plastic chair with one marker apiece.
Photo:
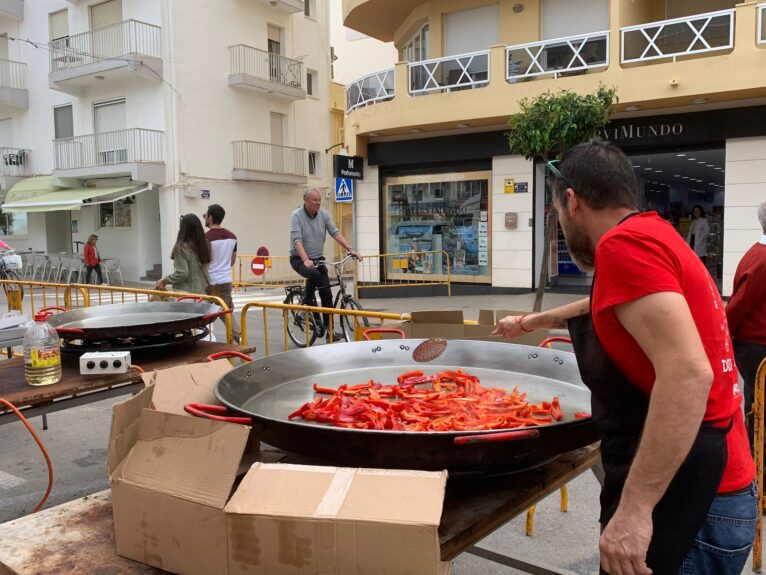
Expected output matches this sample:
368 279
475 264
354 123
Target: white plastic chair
113 267
41 264
54 270
74 266
29 264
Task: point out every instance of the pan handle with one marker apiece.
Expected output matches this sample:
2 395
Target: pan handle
50 307
497 437
550 340
195 298
209 411
70 331
367 332
215 315
222 354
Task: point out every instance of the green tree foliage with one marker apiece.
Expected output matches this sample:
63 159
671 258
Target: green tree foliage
546 127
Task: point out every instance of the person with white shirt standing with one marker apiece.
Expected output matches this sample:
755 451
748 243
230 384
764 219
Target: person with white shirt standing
699 231
223 246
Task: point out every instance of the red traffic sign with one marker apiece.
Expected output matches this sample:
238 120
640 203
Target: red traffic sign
263 251
258 266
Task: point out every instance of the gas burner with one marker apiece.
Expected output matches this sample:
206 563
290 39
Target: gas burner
132 344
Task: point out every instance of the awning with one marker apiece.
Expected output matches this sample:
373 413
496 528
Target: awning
30 188
67 198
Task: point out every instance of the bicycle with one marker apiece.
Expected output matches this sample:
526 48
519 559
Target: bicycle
9 263
296 321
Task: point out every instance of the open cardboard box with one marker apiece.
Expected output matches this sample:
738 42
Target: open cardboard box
178 506
451 325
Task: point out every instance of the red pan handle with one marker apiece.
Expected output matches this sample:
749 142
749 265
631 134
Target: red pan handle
222 354
550 340
70 331
196 298
49 308
215 315
497 437
209 411
382 330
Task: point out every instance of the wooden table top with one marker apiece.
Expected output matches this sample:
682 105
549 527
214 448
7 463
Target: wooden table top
79 535
14 389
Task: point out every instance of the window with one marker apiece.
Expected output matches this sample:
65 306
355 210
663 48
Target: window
58 25
313 163
310 8
311 83
416 49
115 215
63 126
14 224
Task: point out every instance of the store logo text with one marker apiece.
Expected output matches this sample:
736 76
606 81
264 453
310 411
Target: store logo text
631 131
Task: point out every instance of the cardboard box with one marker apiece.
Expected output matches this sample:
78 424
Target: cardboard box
172 475
451 325
311 519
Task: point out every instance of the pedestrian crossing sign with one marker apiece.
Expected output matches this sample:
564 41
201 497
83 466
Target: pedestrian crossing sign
344 190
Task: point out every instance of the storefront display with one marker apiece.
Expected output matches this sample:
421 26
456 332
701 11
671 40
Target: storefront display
439 219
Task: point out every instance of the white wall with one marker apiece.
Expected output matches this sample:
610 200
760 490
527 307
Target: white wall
511 249
367 221
745 191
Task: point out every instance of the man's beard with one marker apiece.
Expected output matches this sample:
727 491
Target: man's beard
581 249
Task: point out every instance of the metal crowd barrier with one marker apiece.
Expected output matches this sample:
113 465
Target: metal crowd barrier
277 272
410 269
37 295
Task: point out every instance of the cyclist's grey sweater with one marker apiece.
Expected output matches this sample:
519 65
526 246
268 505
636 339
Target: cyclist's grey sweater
310 231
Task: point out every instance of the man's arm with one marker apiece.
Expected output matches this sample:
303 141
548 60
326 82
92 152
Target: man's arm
740 302
511 326
347 246
233 258
662 325
308 262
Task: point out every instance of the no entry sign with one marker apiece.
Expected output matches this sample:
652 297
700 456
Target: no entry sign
258 266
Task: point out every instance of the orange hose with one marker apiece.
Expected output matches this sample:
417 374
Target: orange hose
42 448
138 368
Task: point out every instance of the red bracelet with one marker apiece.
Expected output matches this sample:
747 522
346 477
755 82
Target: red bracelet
519 319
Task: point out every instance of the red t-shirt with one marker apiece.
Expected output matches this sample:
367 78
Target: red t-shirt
645 255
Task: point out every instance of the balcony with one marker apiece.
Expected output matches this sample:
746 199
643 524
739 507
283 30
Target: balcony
370 89
14 166
129 49
13 86
289 6
266 72
136 152
12 9
656 65
261 162
671 39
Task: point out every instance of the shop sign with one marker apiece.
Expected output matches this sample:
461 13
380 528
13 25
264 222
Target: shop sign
344 190
637 132
509 185
205 194
521 187
349 167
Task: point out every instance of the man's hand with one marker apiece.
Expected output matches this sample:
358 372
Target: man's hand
509 327
625 541
355 254
309 263
160 285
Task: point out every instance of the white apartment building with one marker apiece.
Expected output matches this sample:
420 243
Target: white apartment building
118 117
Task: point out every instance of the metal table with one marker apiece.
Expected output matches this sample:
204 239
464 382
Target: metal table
78 537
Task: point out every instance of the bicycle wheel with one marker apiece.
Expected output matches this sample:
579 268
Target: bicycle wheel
347 321
296 322
13 276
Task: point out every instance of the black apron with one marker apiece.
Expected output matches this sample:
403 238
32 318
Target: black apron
619 411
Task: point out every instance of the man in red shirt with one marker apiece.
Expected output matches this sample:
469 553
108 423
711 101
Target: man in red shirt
653 346
746 313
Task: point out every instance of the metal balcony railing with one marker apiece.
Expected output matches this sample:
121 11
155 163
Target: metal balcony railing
14 161
106 148
559 56
459 72
696 34
265 66
271 158
107 43
370 89
13 74
761 15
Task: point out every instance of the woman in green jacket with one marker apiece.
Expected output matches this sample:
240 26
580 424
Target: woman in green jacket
191 256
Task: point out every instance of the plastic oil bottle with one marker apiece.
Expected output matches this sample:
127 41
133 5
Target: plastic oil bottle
42 353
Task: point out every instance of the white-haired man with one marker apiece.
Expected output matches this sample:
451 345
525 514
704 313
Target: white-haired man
309 226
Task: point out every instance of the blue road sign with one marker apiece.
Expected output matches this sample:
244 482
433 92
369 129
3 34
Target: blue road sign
344 190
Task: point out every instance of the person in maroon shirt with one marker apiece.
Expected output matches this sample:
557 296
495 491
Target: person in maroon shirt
653 347
746 313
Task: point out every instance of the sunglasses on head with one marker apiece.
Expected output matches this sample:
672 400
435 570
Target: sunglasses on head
551 171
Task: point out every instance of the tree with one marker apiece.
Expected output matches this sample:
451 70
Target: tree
545 128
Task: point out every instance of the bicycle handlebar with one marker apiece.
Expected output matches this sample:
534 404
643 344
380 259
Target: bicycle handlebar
322 261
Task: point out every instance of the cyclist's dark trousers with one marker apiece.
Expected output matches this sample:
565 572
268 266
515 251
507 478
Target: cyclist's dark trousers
316 279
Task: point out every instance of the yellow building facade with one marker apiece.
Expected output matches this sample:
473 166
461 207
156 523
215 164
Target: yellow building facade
691 81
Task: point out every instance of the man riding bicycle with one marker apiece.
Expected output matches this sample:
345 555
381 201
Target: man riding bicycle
309 225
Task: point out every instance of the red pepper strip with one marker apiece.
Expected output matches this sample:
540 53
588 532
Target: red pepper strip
581 415
556 409
326 390
300 411
408 374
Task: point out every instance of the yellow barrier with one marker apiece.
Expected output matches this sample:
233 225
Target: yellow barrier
285 308
278 273
75 296
427 268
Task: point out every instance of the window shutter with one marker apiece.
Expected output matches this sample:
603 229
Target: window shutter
106 14
110 116
63 124
471 30
58 24
562 18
